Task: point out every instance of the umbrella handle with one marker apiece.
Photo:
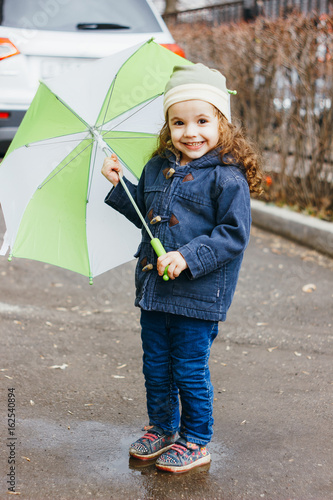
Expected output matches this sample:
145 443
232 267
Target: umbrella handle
159 250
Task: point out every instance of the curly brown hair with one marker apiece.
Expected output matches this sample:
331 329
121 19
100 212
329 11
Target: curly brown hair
233 142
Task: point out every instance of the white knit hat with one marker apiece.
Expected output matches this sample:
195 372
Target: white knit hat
197 81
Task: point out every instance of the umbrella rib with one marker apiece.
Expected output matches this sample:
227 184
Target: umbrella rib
56 173
132 136
44 143
91 172
134 113
114 80
66 106
108 104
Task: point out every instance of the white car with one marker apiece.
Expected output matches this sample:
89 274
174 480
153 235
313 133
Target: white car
43 38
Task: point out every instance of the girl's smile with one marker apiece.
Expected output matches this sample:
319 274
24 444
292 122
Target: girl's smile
194 145
194 128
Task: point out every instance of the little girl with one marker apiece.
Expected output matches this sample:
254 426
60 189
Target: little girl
195 193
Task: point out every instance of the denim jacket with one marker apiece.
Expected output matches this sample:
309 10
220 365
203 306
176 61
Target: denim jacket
202 210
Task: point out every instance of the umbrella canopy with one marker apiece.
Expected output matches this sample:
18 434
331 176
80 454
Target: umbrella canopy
51 189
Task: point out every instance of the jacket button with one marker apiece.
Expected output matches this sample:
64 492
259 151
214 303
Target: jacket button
148 267
155 219
170 173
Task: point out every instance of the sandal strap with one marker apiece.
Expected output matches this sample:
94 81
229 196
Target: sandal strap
150 436
179 448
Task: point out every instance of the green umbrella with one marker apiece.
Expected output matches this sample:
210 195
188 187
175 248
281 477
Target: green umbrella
51 189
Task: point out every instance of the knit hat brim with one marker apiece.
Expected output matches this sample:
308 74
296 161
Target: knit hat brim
201 92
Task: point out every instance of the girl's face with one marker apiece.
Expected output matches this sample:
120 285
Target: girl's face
194 128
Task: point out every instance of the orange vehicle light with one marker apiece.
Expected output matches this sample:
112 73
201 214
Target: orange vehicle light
7 49
174 48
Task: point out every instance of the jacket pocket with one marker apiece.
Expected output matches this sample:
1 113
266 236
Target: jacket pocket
205 289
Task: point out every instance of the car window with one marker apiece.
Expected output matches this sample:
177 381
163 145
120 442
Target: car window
76 15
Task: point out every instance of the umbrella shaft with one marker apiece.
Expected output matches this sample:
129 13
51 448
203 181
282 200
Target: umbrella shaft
155 242
136 208
107 151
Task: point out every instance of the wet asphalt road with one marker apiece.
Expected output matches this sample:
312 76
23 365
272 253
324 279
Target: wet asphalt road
72 354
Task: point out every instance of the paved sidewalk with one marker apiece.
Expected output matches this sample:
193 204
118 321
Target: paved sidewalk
72 353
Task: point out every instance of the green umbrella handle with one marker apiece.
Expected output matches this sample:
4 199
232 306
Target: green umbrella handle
159 249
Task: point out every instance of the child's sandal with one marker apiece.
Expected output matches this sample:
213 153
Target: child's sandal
183 456
152 444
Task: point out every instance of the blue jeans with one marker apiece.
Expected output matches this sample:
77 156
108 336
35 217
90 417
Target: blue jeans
175 363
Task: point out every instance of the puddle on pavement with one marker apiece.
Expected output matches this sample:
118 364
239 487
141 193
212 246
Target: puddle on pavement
98 452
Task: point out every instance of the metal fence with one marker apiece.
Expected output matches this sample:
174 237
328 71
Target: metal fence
238 11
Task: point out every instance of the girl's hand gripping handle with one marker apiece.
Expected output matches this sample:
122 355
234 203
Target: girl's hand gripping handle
159 250
112 169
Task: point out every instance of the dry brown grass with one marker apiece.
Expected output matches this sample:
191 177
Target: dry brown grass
283 73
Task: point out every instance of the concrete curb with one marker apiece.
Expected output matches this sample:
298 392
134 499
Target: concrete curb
308 231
